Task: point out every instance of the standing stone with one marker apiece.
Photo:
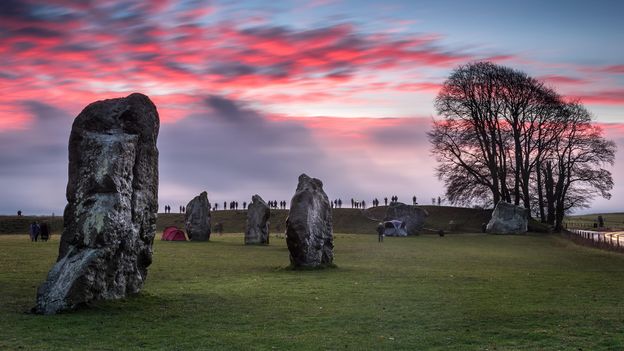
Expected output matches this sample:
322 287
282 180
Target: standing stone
197 218
112 200
309 233
508 219
412 216
258 214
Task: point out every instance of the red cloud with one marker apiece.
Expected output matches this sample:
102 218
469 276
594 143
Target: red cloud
617 69
562 80
606 97
83 52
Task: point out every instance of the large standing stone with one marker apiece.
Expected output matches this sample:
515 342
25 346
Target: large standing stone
412 216
197 218
309 233
258 214
508 219
112 200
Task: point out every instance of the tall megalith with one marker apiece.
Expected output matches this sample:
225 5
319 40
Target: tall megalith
258 214
309 232
112 201
197 218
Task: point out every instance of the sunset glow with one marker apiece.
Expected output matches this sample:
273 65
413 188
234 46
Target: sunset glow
342 90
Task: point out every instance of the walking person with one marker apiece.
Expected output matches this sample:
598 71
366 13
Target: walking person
380 232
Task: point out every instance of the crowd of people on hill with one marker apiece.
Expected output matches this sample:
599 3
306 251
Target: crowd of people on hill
336 203
41 231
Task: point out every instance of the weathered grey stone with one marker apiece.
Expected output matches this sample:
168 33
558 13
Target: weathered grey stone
258 214
197 218
412 216
394 228
309 233
508 219
112 200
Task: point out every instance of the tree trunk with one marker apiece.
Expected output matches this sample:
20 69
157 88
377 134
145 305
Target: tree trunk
550 194
540 192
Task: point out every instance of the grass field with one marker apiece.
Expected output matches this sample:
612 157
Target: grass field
458 292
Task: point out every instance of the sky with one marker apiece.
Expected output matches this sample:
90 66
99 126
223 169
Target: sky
253 93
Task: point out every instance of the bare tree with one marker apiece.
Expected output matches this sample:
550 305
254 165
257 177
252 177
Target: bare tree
575 171
505 136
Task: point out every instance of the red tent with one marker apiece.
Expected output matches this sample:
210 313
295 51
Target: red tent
173 234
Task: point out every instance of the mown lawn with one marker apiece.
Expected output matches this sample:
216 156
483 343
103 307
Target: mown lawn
458 292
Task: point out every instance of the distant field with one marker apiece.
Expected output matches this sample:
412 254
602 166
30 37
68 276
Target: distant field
458 292
346 220
614 221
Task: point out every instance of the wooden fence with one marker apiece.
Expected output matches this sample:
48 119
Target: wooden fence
603 240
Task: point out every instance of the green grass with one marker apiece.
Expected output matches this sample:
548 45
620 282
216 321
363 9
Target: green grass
459 292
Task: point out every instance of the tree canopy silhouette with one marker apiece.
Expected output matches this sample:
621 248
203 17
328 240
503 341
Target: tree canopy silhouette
506 136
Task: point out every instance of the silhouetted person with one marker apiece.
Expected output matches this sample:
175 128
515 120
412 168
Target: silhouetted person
45 231
386 201
380 232
414 200
363 204
19 213
180 209
34 231
339 203
600 222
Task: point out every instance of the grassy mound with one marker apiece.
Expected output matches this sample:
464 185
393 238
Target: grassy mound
346 220
461 292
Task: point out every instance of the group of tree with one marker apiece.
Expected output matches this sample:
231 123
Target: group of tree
504 135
